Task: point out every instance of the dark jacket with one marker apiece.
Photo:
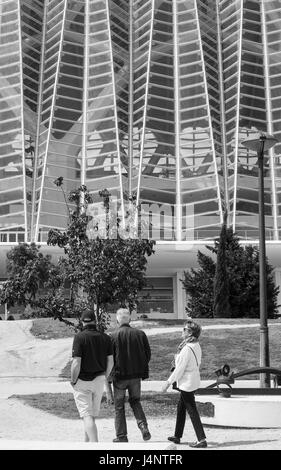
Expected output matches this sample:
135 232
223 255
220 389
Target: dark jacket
131 353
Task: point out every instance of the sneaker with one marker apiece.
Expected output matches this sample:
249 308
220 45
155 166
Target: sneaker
145 432
174 439
121 439
201 444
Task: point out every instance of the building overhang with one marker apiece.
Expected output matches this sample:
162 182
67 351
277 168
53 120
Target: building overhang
169 257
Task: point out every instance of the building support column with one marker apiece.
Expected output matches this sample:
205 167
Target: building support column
180 296
178 206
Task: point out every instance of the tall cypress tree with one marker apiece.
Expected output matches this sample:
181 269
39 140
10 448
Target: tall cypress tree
243 281
199 286
221 281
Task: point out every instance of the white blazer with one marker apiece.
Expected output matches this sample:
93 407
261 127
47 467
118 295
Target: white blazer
186 373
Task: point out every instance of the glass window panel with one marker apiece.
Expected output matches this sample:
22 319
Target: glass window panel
209 206
100 81
252 101
276 69
276 114
198 196
156 102
231 30
99 58
192 102
276 103
275 81
162 92
6 71
253 79
193 113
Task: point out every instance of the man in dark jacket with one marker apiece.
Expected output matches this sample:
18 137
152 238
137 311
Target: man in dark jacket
131 355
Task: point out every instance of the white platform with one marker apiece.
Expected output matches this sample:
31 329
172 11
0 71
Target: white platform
246 411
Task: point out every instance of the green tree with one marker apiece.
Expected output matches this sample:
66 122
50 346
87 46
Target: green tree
221 306
242 265
28 271
199 286
105 263
249 291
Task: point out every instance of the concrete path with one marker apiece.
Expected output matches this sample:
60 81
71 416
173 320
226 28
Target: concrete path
32 365
175 329
32 386
25 427
24 355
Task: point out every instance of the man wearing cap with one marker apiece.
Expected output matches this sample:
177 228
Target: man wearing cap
92 361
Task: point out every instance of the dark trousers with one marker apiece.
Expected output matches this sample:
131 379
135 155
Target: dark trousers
134 389
187 403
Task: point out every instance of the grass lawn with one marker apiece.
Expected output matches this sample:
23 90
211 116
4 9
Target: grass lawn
237 347
63 405
48 328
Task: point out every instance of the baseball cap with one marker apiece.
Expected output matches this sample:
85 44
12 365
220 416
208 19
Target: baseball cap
87 317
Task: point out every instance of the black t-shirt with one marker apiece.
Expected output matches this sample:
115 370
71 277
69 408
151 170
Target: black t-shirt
93 347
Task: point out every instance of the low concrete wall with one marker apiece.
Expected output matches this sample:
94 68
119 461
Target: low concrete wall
243 411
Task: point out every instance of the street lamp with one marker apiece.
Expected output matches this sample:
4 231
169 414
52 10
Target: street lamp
261 145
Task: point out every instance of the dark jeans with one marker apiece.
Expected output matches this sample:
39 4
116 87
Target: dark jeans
134 389
187 404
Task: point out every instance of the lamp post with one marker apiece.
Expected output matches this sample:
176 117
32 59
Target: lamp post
260 145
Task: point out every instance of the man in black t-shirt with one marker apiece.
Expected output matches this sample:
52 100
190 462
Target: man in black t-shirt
92 362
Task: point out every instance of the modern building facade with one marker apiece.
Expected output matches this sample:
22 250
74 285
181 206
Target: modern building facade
150 97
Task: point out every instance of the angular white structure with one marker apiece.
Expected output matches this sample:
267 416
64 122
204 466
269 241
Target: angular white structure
146 96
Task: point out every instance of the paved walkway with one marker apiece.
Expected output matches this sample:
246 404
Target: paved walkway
24 427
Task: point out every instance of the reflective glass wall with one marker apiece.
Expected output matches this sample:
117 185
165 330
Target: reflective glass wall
150 98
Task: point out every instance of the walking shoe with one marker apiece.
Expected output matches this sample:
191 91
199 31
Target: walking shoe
174 439
201 444
145 432
120 439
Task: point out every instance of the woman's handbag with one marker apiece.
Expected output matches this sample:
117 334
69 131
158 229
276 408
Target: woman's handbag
172 368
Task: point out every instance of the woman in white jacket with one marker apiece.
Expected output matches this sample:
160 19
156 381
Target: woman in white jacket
186 378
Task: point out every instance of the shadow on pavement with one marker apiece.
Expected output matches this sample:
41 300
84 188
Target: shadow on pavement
212 444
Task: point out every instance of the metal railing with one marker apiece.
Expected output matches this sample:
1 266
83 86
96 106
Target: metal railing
14 237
